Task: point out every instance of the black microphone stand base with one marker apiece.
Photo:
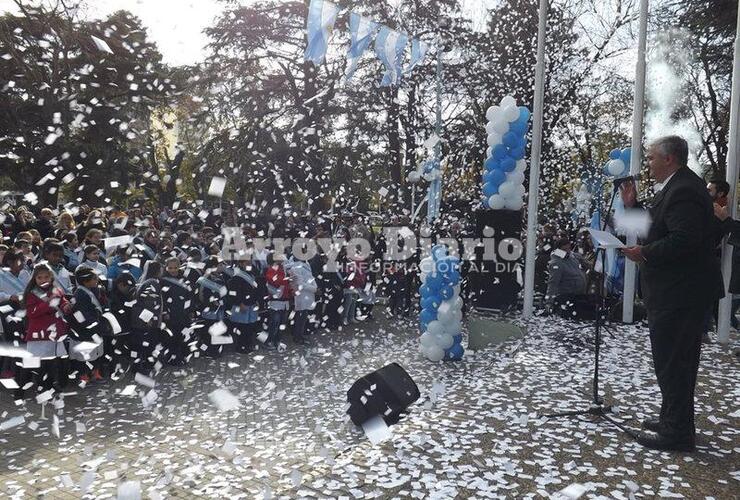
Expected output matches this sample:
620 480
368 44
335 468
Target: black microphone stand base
597 410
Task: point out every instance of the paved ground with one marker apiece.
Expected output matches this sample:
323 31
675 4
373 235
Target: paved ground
475 433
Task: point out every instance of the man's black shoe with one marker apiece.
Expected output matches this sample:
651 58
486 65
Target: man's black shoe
666 443
652 424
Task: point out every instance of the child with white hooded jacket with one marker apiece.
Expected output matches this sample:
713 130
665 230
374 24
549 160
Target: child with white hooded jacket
304 288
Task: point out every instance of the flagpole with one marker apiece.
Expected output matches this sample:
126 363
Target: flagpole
630 270
733 155
534 170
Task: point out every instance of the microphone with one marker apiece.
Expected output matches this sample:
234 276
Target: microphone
621 180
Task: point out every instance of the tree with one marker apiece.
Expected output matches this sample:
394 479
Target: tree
78 96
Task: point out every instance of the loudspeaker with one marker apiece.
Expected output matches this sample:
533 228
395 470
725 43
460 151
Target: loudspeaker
386 392
493 284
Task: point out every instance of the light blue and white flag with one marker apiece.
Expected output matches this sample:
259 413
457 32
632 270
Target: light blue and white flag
321 18
418 52
389 46
361 30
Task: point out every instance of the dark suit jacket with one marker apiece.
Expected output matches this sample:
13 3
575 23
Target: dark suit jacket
681 267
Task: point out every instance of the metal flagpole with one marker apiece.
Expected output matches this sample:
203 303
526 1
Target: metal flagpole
534 169
733 155
630 270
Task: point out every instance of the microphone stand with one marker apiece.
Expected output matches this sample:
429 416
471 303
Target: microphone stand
597 406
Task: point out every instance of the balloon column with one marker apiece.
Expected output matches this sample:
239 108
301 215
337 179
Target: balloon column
503 177
441 306
619 162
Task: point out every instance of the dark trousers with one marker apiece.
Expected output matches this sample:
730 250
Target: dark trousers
300 321
245 336
143 342
675 338
175 342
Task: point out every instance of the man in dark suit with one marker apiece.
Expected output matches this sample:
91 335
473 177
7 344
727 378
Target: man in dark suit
680 280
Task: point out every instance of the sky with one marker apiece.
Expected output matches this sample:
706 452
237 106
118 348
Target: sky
176 26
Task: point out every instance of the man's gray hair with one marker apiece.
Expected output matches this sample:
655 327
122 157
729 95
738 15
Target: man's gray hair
675 146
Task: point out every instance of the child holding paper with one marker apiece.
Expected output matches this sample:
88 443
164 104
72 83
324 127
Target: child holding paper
46 327
242 301
177 300
211 293
87 326
146 318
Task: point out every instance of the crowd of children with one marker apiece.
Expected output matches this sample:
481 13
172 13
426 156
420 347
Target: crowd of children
138 293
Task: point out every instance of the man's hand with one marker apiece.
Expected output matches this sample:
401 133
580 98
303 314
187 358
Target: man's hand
720 212
629 193
634 253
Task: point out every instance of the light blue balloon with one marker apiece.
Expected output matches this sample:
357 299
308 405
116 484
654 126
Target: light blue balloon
615 154
626 156
508 164
489 189
524 114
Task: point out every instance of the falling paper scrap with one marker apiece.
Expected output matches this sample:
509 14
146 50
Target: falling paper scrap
129 490
224 400
13 422
101 44
218 184
376 430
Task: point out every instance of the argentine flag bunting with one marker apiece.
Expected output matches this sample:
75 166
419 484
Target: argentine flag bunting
362 30
321 18
389 46
418 52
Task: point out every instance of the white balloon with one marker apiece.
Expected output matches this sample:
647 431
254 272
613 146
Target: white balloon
514 204
427 339
511 113
444 313
489 128
423 277
445 341
426 265
515 177
508 102
453 329
520 190
506 189
615 167
457 316
501 126
456 289
489 150
496 202
494 138
435 327
435 353
521 166
450 319
490 113
457 303
423 350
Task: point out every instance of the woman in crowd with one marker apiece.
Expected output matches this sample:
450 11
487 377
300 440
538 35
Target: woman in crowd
65 224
